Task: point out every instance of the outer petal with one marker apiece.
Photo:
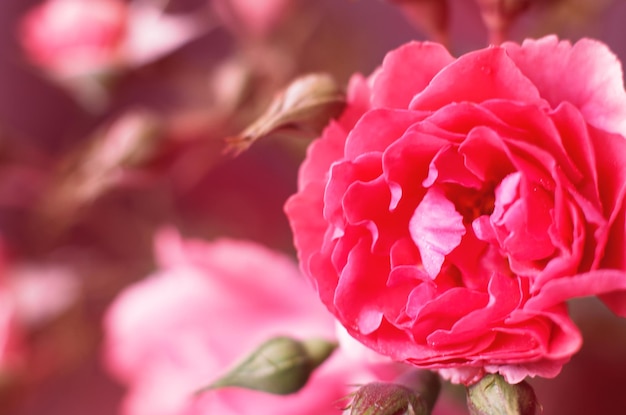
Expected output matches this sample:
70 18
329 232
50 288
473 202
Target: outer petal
321 154
591 283
586 74
611 167
477 77
406 71
304 211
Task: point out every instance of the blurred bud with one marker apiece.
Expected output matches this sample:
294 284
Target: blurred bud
128 143
304 107
498 15
380 398
280 366
492 395
429 16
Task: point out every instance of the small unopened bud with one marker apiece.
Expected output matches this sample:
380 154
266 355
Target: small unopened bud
492 395
380 398
280 366
304 107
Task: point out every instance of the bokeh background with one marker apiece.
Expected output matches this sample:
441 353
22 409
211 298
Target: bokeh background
76 227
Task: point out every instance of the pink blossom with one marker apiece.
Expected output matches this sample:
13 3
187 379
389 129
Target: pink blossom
11 351
208 306
457 204
75 37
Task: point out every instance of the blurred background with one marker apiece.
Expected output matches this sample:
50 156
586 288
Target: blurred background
113 124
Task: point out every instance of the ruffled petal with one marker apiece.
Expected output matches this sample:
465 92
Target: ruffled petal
436 228
477 77
406 71
587 74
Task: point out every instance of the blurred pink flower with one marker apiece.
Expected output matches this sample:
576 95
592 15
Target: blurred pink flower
10 343
75 37
42 292
31 296
210 305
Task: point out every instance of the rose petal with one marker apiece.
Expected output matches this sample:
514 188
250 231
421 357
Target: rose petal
357 296
304 213
448 166
610 153
344 175
587 74
377 129
321 154
436 228
358 97
412 66
477 77
590 283
505 295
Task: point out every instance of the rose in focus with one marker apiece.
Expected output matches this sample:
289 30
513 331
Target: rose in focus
209 306
457 204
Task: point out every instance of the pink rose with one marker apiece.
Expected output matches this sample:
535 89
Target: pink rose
457 204
210 305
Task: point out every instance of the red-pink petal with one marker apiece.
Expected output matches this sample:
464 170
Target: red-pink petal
477 77
321 154
436 228
378 129
406 71
587 74
590 283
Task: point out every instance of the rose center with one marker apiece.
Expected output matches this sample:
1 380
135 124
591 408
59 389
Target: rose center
471 203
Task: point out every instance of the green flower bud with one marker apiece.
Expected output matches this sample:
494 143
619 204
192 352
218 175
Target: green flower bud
492 395
280 366
380 398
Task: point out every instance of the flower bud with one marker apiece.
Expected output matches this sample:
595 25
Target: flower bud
492 395
280 366
379 398
304 107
